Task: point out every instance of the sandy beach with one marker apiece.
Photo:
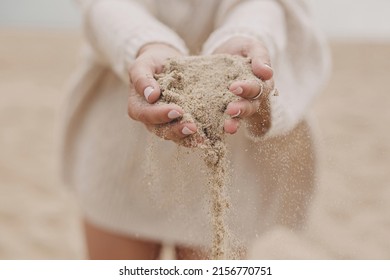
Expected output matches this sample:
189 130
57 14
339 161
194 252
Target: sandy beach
350 214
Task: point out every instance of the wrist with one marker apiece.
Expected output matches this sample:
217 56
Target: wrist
159 47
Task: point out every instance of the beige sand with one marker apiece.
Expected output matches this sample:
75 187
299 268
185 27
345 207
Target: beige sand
199 84
350 215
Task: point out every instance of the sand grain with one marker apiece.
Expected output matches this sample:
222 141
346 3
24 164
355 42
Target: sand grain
200 86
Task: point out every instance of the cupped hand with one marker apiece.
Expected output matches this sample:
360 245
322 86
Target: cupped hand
145 91
253 93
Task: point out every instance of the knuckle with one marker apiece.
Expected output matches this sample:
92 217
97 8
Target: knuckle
141 116
251 88
245 111
133 72
256 88
130 112
136 113
248 109
138 82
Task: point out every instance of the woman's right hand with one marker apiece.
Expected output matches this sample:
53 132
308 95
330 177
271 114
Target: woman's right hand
145 91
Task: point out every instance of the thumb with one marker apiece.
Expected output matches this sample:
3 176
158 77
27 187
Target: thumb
142 78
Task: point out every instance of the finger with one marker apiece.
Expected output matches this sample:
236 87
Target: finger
248 89
261 62
174 131
262 70
231 125
141 76
154 114
242 108
182 130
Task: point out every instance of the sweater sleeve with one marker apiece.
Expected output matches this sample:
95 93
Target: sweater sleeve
117 29
298 53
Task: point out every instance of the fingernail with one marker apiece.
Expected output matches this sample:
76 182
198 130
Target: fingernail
236 115
147 92
238 90
267 65
173 114
187 131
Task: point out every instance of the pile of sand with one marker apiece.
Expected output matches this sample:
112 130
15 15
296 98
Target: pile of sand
200 86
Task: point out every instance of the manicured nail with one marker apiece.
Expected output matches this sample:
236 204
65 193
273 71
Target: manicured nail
236 115
238 91
187 131
173 114
147 92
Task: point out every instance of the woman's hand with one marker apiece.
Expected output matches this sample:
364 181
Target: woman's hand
252 106
145 91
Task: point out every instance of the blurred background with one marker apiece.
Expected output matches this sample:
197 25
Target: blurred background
350 214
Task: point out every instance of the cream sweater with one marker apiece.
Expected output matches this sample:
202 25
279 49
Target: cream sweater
117 29
104 151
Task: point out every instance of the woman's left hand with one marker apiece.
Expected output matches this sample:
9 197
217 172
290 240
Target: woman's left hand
253 94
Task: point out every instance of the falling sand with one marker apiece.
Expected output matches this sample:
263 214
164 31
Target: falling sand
200 86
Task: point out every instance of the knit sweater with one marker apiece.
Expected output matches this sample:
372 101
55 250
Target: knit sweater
104 151
117 29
